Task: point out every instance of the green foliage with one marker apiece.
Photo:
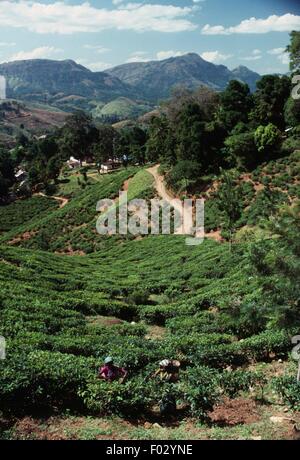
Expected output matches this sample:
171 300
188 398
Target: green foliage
240 381
294 50
132 397
33 379
270 99
236 103
288 388
267 139
202 391
23 211
281 262
229 201
242 151
6 174
184 175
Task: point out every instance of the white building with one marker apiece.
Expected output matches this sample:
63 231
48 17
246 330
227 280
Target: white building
73 163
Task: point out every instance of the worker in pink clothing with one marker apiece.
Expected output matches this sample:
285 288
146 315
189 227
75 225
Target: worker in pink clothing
110 372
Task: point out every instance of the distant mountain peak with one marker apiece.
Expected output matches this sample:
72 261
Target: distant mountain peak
155 79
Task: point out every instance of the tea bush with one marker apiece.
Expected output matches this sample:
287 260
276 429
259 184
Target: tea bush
202 391
288 388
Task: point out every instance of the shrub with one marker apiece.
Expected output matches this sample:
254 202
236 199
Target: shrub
203 390
260 346
43 379
131 397
289 390
233 383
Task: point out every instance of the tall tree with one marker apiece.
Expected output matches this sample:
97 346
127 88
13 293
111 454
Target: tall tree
6 173
104 147
270 99
190 134
236 103
160 143
229 202
294 50
78 136
277 262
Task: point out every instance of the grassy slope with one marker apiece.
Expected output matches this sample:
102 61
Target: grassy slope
73 226
24 211
271 184
124 108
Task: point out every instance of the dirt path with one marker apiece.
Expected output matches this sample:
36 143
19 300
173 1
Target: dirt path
166 194
159 184
63 201
168 197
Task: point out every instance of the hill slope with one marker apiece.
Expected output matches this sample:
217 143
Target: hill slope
155 79
47 80
29 119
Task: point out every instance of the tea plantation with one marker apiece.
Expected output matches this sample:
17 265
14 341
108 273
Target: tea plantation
58 284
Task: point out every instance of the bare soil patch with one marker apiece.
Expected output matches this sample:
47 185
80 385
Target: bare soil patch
233 412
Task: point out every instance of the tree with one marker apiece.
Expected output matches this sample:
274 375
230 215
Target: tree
236 103
7 177
53 168
138 139
292 112
229 202
190 134
132 145
104 146
161 142
294 50
277 264
205 97
270 99
242 151
78 136
183 175
267 139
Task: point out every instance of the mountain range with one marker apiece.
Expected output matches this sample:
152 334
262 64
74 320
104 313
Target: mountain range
125 91
155 79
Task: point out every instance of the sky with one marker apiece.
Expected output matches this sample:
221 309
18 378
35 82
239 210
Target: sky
100 34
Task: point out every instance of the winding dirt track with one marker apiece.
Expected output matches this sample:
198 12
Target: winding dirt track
159 184
168 197
63 201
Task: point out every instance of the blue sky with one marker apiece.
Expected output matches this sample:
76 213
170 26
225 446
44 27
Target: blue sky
103 33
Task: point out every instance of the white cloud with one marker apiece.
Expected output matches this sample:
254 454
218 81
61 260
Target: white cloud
255 56
138 56
59 17
43 52
97 66
284 23
252 58
168 54
98 48
281 55
215 56
284 58
276 51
